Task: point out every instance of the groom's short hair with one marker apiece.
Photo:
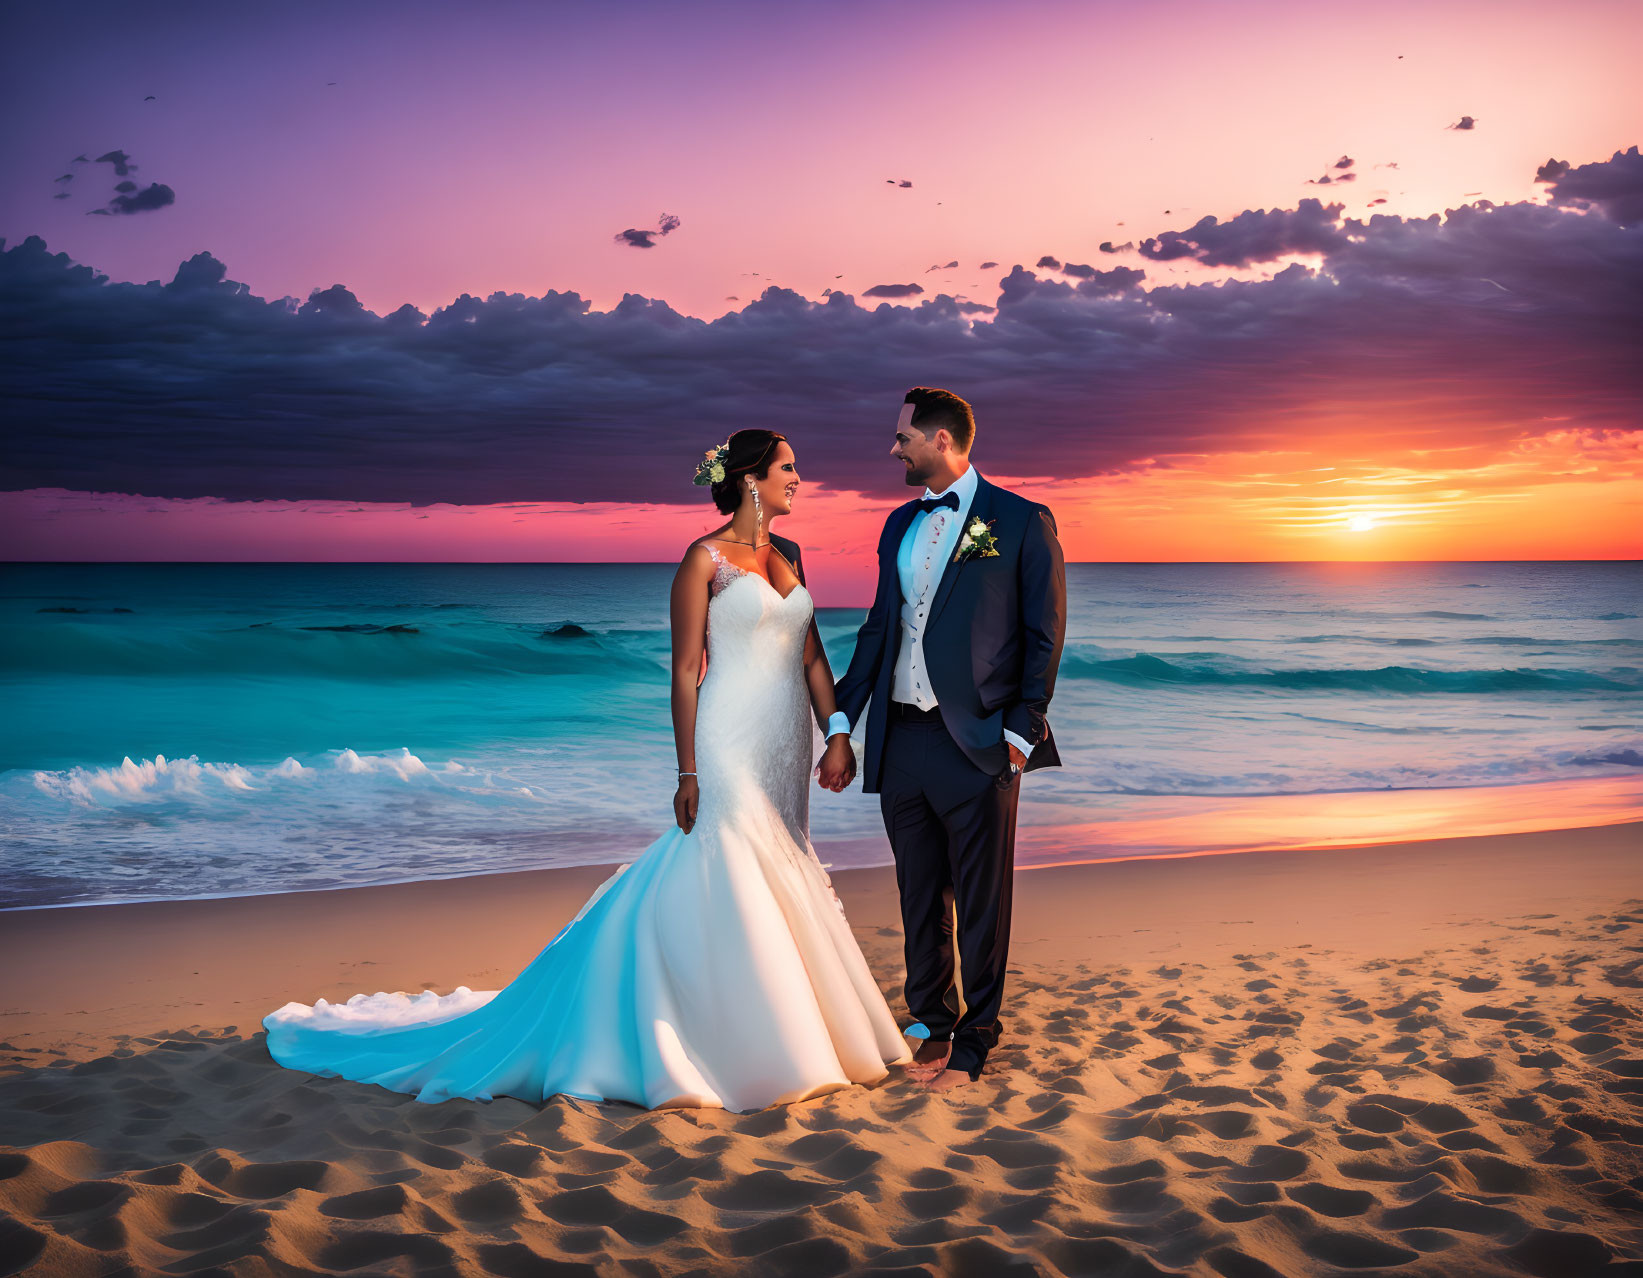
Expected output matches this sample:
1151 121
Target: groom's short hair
934 409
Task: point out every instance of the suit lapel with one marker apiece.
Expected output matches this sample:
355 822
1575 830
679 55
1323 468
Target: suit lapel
890 574
981 507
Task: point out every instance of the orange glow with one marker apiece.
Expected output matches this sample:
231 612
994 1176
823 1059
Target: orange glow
1192 826
1568 494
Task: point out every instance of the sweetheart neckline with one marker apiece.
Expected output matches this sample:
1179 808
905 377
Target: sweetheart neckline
743 572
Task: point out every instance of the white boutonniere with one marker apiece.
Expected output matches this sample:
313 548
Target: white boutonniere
978 542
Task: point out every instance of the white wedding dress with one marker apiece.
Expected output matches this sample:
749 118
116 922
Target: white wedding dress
717 969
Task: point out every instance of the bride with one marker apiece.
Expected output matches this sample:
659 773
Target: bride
717 969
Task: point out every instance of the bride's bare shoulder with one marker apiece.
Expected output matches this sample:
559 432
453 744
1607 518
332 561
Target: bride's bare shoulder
699 559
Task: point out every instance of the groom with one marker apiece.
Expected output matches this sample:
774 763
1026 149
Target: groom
958 657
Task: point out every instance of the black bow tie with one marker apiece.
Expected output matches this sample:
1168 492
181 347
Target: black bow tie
927 504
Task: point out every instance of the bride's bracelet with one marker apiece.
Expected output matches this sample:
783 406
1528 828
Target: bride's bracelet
683 775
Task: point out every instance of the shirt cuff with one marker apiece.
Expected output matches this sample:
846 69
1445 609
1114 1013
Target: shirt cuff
838 722
1019 743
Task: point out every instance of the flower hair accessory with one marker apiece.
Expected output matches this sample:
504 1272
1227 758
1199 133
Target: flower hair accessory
711 469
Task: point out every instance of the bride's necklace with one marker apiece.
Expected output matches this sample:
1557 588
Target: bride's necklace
737 541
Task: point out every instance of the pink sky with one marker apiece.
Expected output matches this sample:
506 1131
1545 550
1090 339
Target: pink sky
501 148
1570 495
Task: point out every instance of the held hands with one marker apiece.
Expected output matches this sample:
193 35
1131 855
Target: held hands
837 768
685 801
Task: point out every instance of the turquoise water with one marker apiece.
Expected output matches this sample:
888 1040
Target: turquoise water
179 730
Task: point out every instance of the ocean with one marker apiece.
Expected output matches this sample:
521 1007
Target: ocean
196 730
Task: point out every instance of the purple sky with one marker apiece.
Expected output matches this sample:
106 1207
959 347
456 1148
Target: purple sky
1152 275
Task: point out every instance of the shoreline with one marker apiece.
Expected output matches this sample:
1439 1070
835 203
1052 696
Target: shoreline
1315 820
199 953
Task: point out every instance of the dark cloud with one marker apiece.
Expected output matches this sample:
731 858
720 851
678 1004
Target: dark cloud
903 183
950 266
67 177
986 266
1077 270
1474 327
1345 162
1107 246
335 300
1551 171
1255 235
156 195
203 274
647 239
1021 284
893 290
128 199
1047 263
1614 186
1464 123
61 195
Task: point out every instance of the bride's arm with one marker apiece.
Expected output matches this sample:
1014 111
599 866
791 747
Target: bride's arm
688 617
837 768
818 674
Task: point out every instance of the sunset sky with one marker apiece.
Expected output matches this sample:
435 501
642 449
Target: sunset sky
379 284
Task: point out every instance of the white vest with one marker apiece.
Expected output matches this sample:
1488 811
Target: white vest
926 552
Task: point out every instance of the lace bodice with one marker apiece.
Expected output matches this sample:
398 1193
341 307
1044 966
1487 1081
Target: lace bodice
753 721
725 572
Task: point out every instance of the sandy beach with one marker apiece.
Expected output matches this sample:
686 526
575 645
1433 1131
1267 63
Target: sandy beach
1421 1058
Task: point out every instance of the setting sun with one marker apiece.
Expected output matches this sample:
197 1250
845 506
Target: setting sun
1360 523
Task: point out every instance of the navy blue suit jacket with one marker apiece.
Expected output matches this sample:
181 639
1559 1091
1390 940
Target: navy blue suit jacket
992 644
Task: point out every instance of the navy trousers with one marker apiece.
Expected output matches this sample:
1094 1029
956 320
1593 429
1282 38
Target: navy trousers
952 831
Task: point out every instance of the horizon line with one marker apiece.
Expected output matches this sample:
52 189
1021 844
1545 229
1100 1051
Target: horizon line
649 563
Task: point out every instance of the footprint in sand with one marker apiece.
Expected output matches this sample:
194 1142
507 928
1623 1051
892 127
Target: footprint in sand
367 1204
514 1157
274 1180
492 1203
1331 1200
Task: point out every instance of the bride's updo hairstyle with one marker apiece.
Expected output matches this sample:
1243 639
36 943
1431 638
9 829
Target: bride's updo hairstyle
749 454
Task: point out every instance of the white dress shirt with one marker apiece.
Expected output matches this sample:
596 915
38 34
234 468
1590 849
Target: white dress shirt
926 552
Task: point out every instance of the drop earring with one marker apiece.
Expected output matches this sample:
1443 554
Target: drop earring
758 513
